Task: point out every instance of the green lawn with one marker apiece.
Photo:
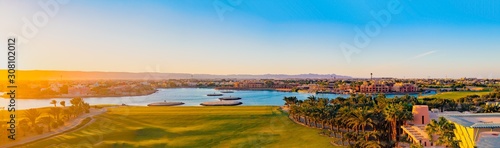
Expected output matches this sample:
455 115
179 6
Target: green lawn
456 95
239 126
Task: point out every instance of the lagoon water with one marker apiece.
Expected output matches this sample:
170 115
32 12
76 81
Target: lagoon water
190 96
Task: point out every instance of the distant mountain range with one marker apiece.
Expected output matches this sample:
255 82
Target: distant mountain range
80 75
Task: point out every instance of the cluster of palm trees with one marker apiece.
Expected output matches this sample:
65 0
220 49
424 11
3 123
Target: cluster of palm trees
34 122
489 108
444 129
358 121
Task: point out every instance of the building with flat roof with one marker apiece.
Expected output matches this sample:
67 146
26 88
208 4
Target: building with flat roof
472 130
477 130
415 130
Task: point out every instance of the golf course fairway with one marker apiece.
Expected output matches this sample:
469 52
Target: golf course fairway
237 126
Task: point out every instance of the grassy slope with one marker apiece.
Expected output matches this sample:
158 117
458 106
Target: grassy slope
241 126
456 95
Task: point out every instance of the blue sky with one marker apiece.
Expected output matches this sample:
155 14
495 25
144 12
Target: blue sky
426 38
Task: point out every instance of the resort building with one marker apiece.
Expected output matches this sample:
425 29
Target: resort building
377 87
374 88
400 87
477 130
416 130
472 130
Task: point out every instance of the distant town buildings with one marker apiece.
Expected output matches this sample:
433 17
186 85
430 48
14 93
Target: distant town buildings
62 88
256 84
78 90
400 87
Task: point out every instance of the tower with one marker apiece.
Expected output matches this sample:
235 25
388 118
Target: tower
371 76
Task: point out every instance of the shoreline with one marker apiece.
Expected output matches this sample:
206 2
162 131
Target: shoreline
215 88
235 88
91 96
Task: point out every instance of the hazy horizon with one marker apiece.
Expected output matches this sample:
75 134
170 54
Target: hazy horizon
418 39
52 75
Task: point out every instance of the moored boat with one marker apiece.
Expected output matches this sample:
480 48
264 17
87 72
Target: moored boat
230 98
214 94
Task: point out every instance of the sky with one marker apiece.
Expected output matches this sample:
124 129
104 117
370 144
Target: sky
391 38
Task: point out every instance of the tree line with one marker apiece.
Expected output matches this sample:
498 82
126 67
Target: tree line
361 120
34 122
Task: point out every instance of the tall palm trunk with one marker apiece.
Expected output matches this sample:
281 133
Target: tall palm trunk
394 132
331 126
363 128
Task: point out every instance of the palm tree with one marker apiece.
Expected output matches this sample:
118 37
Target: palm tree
406 115
360 119
290 100
350 136
394 113
23 124
390 113
77 106
344 114
73 111
312 99
432 128
63 103
370 144
442 103
47 121
444 129
86 107
53 102
32 115
55 112
76 101
295 112
490 108
66 113
343 138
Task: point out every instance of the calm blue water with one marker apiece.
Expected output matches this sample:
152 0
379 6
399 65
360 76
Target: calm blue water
190 96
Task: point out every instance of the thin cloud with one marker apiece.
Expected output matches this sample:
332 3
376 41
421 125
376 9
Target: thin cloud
423 55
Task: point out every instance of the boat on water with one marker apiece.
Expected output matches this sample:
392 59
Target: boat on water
165 103
227 91
214 94
230 98
221 103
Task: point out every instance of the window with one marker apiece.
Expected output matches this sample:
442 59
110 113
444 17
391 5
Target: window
422 119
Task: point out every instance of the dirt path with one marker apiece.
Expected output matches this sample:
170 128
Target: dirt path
70 125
